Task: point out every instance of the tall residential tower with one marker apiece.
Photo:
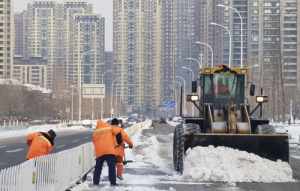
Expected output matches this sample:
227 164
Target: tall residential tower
6 37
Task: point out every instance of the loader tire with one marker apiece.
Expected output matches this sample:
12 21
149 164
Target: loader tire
266 129
178 148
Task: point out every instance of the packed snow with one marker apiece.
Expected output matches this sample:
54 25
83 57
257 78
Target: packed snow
230 165
153 165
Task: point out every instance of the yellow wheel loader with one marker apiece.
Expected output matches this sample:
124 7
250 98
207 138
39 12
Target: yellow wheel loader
226 119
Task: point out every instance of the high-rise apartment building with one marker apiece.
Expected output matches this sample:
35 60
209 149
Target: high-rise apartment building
70 9
48 29
290 38
186 30
6 39
290 51
264 53
30 71
42 34
168 43
237 15
137 52
88 48
208 12
20 33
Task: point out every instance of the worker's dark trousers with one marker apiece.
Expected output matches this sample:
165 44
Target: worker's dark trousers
111 162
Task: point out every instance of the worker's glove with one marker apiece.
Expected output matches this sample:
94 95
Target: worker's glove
130 146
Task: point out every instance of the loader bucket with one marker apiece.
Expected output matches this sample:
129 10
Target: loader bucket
273 147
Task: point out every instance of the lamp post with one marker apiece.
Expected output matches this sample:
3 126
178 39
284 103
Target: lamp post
210 48
241 18
184 86
111 99
193 77
79 82
176 97
195 60
102 99
230 40
189 70
72 103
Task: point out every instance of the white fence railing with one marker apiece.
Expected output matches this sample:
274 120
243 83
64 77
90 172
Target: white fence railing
54 172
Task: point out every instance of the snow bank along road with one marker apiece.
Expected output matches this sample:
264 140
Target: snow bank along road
13 150
152 169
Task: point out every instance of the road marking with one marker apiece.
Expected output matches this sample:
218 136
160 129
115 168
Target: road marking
60 146
15 150
2 146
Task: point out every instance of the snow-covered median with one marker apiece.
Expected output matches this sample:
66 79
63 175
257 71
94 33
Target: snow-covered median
229 165
22 132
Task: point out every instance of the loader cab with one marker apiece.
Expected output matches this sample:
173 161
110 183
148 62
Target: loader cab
221 85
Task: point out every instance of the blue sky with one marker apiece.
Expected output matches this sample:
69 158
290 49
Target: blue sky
103 7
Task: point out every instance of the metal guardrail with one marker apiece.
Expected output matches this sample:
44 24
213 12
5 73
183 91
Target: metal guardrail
54 172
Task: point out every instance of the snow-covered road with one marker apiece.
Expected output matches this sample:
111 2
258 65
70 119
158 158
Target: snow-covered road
153 168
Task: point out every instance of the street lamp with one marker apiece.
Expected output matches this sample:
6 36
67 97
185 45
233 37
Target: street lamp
189 70
111 99
72 102
241 18
230 40
176 97
193 76
196 60
102 99
211 49
79 82
184 86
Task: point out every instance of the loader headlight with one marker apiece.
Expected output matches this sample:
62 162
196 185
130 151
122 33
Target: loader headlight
261 99
192 98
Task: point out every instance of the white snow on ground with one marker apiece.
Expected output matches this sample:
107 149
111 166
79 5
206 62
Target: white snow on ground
203 165
173 123
293 131
143 159
229 165
22 132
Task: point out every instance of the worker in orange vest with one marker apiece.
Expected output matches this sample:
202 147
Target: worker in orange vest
40 143
104 143
121 138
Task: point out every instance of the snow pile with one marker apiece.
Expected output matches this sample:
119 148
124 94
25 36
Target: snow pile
229 165
153 149
29 87
294 133
31 129
173 123
10 82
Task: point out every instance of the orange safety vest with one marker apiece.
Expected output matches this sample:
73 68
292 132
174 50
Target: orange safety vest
104 140
39 145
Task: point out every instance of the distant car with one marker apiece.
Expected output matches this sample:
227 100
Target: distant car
162 121
87 123
53 121
37 122
177 119
131 121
